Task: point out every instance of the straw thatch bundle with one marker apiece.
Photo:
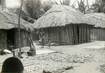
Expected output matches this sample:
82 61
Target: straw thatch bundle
59 15
10 20
97 19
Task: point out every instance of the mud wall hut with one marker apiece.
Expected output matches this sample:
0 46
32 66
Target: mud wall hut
64 25
98 31
9 34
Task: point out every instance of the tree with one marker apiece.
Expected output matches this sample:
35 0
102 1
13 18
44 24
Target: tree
99 6
48 4
66 2
62 2
24 15
33 8
81 6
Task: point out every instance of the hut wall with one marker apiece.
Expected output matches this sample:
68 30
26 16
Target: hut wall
52 34
84 33
3 39
35 36
23 38
60 35
78 33
66 35
70 34
75 33
97 34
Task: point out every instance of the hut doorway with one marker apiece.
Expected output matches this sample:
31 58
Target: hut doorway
10 38
81 33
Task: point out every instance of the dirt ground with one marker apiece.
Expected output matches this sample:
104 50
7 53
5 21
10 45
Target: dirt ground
83 58
94 52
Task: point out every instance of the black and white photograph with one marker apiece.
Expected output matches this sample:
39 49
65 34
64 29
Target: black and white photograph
52 36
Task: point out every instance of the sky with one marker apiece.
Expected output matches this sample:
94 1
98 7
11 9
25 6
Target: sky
12 3
16 3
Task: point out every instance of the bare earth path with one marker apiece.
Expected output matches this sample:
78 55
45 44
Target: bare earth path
95 50
83 58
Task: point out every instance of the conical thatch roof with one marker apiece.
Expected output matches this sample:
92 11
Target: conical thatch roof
97 19
10 20
59 15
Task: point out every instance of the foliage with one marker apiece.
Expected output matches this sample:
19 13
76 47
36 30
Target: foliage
47 5
99 6
36 9
81 6
63 2
33 8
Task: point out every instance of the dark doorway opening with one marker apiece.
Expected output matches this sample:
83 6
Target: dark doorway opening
11 39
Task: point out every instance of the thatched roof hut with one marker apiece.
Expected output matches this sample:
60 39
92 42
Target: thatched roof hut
10 20
9 30
64 24
97 19
59 15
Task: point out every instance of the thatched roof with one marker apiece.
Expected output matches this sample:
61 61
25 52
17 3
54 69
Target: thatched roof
59 15
10 20
97 19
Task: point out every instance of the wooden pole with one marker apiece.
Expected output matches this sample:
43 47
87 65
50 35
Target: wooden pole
32 9
19 23
88 4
